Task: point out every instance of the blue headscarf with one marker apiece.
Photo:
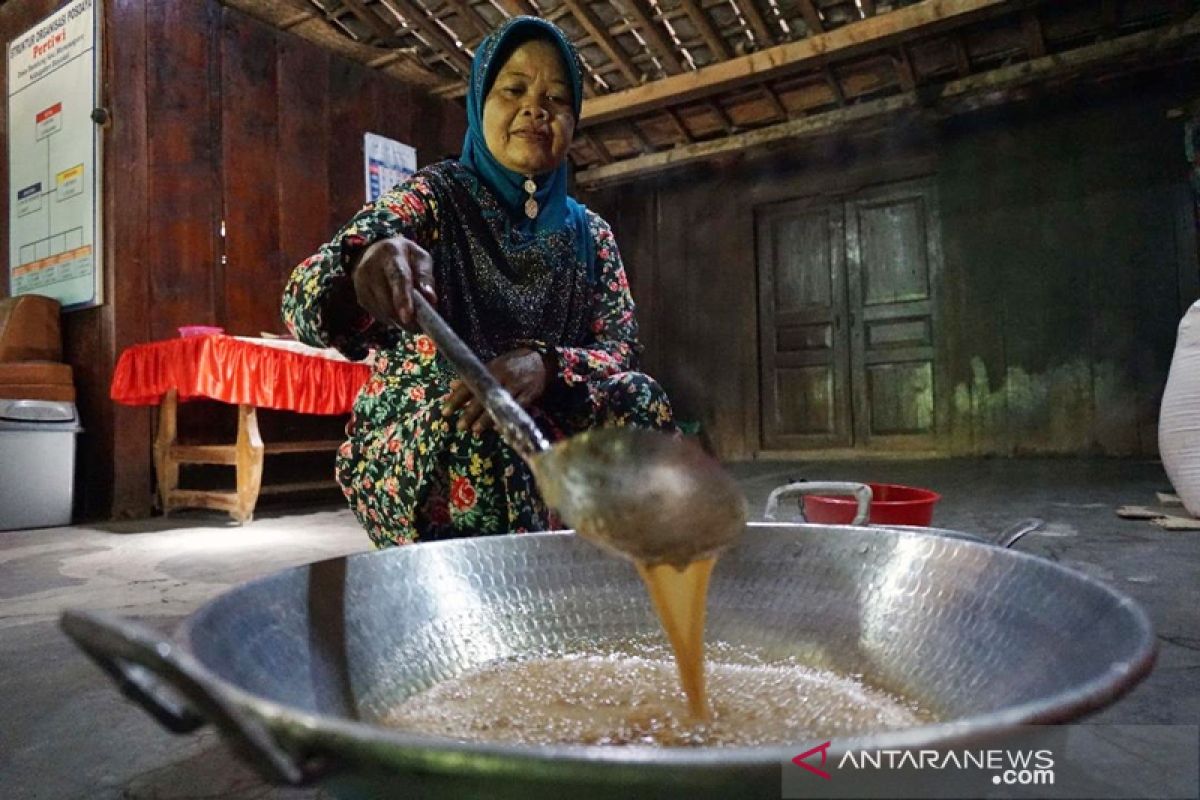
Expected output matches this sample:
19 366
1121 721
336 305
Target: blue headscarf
556 209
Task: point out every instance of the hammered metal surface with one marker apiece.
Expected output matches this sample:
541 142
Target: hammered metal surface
985 637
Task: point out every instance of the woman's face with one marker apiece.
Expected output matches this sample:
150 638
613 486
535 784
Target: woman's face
527 119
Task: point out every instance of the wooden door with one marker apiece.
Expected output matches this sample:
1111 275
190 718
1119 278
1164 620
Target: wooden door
847 320
893 263
804 349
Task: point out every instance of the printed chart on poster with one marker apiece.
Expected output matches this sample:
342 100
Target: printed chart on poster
53 159
387 163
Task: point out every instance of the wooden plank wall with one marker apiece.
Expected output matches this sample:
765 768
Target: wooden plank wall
1069 255
215 116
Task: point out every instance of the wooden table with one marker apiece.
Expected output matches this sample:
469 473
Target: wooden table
248 373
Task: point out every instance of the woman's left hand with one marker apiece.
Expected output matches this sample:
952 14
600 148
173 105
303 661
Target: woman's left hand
523 372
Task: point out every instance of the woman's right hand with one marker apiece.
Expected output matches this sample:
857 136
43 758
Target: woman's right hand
386 275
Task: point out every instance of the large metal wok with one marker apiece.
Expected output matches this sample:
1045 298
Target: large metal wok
293 668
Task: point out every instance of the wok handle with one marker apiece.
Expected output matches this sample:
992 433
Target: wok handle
141 662
859 491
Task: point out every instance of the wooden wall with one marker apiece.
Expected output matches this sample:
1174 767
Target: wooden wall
1069 254
215 116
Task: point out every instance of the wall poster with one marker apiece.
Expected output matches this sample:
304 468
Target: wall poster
54 159
387 163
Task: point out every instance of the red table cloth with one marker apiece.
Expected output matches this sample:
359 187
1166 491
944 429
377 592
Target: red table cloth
281 375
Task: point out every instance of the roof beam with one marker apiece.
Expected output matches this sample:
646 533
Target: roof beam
415 16
603 39
643 17
874 33
976 91
712 37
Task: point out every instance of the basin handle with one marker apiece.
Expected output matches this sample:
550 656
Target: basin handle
140 661
1009 536
859 491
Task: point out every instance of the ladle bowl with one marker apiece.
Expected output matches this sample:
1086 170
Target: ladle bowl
643 494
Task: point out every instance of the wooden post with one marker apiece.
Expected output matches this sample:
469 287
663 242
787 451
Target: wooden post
249 463
165 466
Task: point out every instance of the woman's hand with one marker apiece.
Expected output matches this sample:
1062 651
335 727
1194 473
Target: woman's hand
386 275
523 372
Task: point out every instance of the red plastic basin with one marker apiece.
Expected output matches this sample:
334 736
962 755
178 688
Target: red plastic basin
891 504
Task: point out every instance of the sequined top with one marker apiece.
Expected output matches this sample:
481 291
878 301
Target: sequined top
497 287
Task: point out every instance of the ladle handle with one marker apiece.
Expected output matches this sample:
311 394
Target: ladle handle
513 423
141 662
859 491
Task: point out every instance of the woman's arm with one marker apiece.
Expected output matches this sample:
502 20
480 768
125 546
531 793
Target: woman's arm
616 348
320 306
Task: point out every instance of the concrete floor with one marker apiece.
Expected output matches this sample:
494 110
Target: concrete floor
66 733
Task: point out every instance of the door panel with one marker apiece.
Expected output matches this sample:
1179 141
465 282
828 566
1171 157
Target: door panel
803 348
892 265
892 237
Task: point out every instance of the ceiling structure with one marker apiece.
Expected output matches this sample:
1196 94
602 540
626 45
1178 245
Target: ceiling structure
672 82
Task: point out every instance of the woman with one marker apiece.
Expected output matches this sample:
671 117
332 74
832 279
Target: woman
528 277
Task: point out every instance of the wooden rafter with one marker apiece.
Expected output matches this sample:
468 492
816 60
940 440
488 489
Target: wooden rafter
603 39
383 31
679 124
712 37
976 91
644 144
722 117
1033 34
904 68
758 24
467 13
643 18
517 8
962 58
812 18
598 146
875 33
773 99
835 86
415 16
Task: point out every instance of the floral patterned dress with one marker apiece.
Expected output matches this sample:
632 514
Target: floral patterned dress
408 473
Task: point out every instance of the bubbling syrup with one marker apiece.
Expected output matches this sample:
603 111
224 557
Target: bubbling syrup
614 697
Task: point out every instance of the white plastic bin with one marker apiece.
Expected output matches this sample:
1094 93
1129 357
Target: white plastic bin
37 463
